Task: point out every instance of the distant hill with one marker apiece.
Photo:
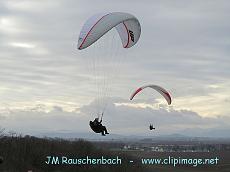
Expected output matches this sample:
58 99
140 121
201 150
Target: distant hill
115 137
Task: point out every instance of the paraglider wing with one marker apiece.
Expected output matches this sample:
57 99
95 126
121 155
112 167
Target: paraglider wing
159 89
135 93
95 27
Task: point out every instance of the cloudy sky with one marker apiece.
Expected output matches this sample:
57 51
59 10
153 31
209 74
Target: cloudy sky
46 84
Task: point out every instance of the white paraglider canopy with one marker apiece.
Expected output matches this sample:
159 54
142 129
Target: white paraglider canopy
159 89
127 25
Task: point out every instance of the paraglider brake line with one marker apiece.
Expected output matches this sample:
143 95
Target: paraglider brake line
102 115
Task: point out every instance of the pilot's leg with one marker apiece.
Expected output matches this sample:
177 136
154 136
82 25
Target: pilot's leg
102 131
104 128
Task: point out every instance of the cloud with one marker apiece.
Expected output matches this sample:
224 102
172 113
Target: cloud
41 119
120 119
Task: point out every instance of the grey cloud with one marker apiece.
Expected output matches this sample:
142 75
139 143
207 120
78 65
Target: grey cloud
119 120
34 121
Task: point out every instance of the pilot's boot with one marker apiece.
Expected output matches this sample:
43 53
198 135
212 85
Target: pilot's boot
106 132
